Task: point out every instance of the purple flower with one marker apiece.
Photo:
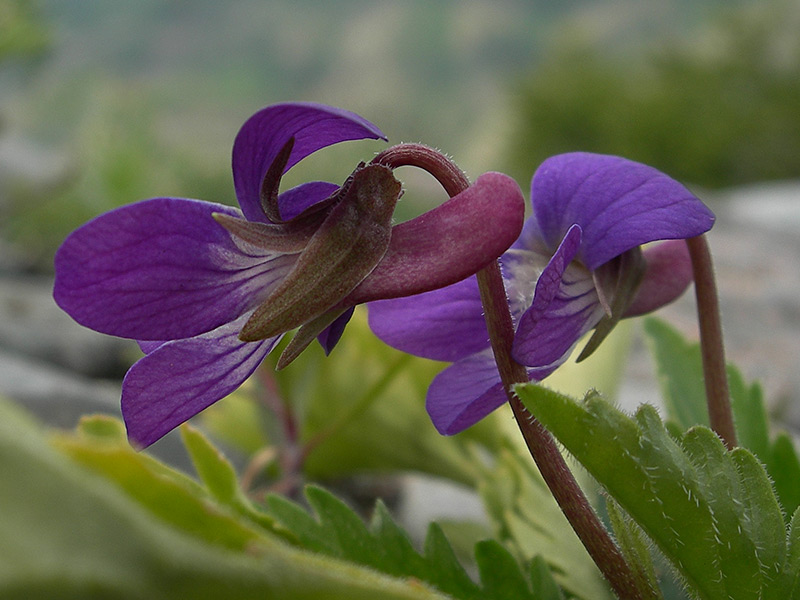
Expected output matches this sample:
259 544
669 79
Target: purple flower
577 266
208 290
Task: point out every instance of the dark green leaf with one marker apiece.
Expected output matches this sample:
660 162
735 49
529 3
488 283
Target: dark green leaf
542 582
712 512
335 530
784 467
530 523
500 573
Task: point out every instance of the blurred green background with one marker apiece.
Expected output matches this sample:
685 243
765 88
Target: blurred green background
105 103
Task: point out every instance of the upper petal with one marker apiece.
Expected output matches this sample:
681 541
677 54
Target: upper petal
313 126
180 378
445 324
565 306
161 269
295 200
618 203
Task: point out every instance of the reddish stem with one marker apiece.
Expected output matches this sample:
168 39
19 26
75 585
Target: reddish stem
542 447
715 374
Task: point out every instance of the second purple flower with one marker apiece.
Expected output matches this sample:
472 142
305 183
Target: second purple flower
576 267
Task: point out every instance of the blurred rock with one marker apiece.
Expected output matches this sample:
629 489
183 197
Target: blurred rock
56 396
756 249
32 325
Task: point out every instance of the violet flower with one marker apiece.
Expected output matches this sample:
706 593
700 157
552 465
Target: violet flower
577 266
208 290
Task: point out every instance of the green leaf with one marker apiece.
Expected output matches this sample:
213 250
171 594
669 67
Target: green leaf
215 471
680 373
712 512
634 546
529 522
784 468
542 582
71 532
218 475
335 530
680 370
500 573
362 409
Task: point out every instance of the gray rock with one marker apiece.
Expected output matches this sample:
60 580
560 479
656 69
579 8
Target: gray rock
32 325
756 250
59 398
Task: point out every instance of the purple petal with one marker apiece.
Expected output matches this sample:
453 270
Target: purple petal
565 306
446 324
181 378
464 393
668 272
331 335
467 391
161 269
449 243
313 126
295 200
619 204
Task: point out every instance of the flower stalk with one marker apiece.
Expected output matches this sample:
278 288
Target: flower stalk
712 349
542 446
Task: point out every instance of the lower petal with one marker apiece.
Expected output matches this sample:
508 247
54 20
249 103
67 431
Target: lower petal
467 391
464 393
180 378
446 324
565 307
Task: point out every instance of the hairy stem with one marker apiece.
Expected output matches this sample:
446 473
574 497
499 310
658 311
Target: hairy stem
720 415
555 472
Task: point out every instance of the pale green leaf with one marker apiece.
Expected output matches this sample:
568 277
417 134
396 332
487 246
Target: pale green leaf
71 532
335 530
634 546
528 520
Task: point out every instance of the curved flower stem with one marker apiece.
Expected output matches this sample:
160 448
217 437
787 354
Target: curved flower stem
545 452
452 179
716 379
540 442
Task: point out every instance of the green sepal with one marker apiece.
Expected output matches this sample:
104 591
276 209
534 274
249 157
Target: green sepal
342 252
616 282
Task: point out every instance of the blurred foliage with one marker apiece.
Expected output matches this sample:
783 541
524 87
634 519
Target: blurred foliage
22 33
121 152
721 110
